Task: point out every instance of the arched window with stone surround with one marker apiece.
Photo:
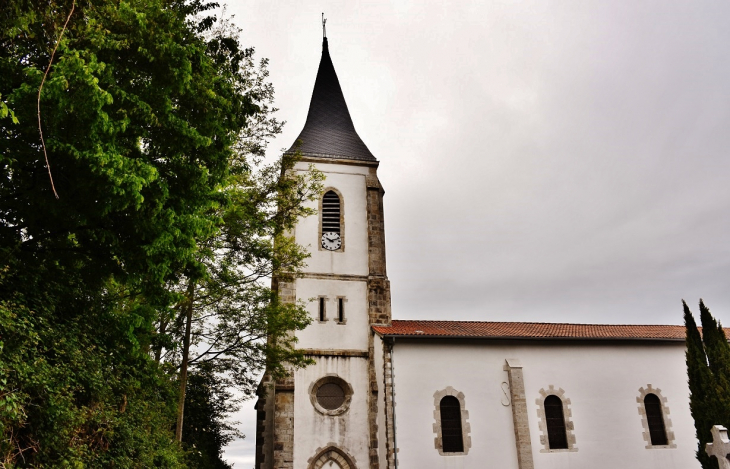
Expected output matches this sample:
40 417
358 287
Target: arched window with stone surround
555 421
451 424
654 412
655 419
452 436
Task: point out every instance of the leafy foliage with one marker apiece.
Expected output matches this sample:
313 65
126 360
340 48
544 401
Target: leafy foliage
139 119
230 318
76 391
208 403
708 369
153 119
239 326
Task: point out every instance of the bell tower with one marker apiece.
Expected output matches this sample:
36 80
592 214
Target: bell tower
330 412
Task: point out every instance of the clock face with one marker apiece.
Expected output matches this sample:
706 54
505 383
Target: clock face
331 241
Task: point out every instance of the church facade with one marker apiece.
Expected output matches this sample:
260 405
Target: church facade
388 393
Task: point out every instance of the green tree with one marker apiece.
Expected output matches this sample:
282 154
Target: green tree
74 392
139 115
142 110
708 370
229 317
208 404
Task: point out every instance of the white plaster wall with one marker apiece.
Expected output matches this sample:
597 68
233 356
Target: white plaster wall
331 335
349 180
601 380
348 431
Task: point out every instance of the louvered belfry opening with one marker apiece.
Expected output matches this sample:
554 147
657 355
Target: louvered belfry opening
331 213
330 396
451 435
555 419
655 418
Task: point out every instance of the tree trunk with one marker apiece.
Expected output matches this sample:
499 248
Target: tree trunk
184 363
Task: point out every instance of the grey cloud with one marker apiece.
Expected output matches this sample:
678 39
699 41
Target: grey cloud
543 160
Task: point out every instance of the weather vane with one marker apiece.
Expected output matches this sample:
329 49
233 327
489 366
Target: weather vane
324 26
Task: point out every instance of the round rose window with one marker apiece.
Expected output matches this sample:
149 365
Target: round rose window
331 395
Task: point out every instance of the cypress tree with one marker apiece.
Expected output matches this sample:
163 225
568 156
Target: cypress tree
702 388
718 355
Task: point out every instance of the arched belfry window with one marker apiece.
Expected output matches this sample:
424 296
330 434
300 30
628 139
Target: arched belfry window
331 212
655 419
452 437
555 420
332 230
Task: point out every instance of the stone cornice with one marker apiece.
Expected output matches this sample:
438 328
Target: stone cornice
316 352
325 276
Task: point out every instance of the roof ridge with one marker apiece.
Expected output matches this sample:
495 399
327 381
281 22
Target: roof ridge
495 330
536 322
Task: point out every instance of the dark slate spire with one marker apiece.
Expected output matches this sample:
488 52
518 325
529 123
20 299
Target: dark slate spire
329 131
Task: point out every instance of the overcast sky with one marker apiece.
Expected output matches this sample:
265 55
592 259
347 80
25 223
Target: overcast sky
553 161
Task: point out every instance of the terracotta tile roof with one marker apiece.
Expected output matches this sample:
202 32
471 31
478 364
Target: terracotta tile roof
529 330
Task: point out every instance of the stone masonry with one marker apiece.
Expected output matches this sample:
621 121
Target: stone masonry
518 399
389 406
275 432
265 424
372 405
378 284
378 299
284 425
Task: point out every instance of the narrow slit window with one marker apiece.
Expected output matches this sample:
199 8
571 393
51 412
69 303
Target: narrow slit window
655 419
321 309
340 309
555 419
452 438
331 213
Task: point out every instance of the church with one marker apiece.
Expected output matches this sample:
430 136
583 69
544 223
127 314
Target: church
389 393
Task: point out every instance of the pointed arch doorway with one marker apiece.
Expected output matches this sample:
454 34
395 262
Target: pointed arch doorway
332 458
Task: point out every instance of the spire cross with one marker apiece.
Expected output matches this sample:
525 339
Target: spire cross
720 446
324 26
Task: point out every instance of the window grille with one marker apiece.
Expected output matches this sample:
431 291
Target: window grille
330 213
331 396
321 309
340 309
655 419
452 438
557 436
